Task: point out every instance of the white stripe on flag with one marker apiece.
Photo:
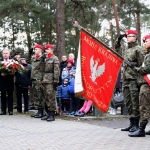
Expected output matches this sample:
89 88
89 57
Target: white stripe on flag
78 79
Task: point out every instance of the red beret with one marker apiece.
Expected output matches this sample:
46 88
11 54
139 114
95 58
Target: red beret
49 46
38 46
146 37
130 32
71 61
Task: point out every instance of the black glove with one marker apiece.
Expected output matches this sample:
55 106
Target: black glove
55 84
120 37
43 58
131 66
117 45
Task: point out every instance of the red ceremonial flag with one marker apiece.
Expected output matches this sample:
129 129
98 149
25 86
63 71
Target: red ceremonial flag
97 68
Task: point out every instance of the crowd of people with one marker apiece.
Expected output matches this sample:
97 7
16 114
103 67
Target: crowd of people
52 83
45 84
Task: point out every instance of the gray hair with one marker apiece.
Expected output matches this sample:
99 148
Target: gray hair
6 49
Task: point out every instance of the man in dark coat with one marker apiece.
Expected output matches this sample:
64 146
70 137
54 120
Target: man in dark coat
62 65
6 87
23 83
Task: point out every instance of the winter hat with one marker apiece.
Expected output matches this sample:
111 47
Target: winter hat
71 61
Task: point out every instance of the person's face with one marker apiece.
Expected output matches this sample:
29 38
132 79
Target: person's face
23 61
66 81
147 43
69 64
131 38
6 54
49 51
37 51
71 56
64 58
17 57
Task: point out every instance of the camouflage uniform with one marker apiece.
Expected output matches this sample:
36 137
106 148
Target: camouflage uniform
144 97
130 86
51 76
37 75
133 54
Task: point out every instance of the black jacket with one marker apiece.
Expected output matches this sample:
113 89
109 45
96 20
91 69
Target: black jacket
6 82
24 79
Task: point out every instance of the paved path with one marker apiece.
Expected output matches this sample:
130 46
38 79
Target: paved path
20 132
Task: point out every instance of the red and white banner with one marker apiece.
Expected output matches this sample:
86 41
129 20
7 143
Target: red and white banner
97 71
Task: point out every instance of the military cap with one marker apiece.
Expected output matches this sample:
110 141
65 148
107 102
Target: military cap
49 46
130 32
146 37
38 46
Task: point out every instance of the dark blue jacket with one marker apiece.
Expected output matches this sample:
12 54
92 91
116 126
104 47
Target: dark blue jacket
63 92
71 86
24 79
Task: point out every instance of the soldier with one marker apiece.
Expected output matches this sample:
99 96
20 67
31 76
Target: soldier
37 65
130 86
50 81
144 95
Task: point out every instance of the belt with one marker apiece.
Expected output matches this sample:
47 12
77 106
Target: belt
49 71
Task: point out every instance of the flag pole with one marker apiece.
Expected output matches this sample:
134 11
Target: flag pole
76 24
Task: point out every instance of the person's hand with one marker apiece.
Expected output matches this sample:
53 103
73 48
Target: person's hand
55 84
120 37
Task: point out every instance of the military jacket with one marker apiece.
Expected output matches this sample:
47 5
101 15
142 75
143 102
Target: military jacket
134 55
51 71
37 68
145 68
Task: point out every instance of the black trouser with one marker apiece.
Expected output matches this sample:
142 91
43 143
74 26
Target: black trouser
65 104
6 100
21 91
75 102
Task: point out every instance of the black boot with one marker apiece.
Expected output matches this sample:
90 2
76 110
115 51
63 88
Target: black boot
140 132
135 125
130 126
39 114
51 116
147 132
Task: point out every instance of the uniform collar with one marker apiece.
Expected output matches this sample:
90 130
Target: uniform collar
133 44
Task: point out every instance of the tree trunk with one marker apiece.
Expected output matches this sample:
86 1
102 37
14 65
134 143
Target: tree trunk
60 28
111 35
138 25
116 17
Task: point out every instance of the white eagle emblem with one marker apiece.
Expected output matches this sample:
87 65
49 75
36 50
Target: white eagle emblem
96 71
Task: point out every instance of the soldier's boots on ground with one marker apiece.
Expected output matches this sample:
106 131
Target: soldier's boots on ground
140 132
130 126
50 116
39 114
147 132
135 125
44 117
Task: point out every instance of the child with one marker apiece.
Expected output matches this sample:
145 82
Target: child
85 108
75 101
64 96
